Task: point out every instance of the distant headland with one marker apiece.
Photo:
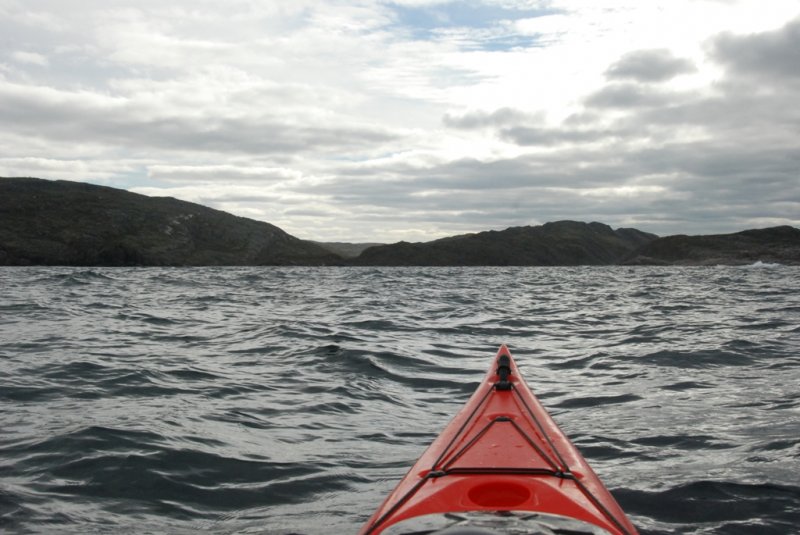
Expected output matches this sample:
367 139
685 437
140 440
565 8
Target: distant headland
45 222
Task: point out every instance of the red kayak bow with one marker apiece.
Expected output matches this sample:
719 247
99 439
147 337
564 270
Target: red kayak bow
501 461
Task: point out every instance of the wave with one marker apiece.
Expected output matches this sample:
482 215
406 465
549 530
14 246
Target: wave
701 359
594 401
279 400
749 508
760 264
80 277
140 466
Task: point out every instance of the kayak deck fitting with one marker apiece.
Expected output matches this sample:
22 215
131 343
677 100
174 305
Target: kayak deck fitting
502 465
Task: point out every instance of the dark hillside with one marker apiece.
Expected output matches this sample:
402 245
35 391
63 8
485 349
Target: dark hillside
72 223
771 245
563 243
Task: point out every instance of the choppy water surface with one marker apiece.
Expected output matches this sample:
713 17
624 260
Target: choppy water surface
291 400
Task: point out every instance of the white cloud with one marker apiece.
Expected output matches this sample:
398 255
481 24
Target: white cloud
32 58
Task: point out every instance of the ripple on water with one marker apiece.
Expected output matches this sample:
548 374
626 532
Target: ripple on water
290 400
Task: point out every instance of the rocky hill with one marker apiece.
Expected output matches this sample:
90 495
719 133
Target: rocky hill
770 245
45 222
562 243
71 223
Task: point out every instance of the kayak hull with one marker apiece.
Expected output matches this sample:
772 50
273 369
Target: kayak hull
502 452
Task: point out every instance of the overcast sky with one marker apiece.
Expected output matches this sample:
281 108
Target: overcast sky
415 119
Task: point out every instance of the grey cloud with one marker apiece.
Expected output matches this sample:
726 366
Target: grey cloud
717 184
573 169
481 119
725 171
772 54
91 117
627 95
239 174
739 116
526 129
655 65
576 169
543 137
720 161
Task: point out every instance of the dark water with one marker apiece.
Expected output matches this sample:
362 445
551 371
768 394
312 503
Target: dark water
272 400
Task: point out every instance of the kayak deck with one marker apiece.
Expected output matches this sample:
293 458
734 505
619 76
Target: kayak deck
502 452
